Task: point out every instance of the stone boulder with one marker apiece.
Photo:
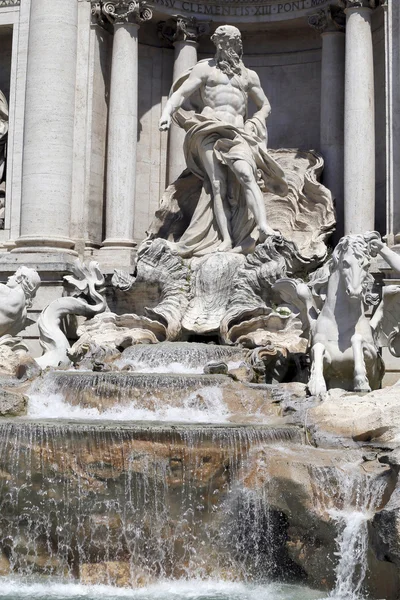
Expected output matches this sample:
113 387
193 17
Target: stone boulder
12 404
307 486
346 418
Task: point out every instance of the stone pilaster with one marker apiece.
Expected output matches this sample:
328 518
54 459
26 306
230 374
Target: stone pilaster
182 33
359 121
125 18
330 23
392 95
49 128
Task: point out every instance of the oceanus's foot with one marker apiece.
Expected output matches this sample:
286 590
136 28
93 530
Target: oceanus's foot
225 246
265 232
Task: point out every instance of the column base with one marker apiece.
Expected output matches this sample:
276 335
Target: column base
33 244
112 256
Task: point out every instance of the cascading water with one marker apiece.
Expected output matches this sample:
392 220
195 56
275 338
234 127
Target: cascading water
170 486
127 506
178 357
357 498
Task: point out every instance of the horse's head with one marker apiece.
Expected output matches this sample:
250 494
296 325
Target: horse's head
352 259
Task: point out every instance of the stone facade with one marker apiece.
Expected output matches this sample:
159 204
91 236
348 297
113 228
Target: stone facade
86 83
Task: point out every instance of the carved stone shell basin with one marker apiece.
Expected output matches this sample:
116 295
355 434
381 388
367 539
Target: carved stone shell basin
110 331
281 331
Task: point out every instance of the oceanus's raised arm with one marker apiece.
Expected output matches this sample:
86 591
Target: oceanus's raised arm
175 101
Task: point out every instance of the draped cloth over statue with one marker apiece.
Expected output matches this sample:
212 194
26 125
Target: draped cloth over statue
230 144
297 204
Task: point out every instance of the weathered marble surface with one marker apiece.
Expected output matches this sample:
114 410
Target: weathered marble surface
86 299
224 294
305 215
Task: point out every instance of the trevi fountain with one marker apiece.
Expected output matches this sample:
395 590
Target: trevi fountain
200 299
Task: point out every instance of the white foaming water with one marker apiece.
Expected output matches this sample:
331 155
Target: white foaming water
352 543
203 406
168 590
360 496
173 367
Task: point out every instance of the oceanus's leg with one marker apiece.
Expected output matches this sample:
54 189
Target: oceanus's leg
361 383
316 384
253 195
218 180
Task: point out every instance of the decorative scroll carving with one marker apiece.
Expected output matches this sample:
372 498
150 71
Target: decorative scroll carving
121 11
331 18
181 28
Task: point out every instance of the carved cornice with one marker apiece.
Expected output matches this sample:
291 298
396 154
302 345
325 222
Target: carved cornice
120 11
358 3
4 3
331 18
181 28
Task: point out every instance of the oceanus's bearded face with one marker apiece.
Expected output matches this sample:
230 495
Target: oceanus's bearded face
229 53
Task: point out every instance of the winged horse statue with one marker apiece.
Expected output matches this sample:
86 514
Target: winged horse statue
344 353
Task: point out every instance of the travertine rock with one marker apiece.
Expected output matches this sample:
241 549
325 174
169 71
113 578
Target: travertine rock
346 418
12 404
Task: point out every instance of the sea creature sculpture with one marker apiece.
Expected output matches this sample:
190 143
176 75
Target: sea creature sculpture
87 301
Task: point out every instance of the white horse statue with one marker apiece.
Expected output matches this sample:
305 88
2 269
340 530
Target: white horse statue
343 351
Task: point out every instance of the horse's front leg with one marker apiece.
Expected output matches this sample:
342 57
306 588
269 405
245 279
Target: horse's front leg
316 384
361 383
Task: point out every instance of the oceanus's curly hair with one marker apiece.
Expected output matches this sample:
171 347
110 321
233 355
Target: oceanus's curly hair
227 58
359 243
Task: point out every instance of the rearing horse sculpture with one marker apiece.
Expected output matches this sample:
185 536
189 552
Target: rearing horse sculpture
343 350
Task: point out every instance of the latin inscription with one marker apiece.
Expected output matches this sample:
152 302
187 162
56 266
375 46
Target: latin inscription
240 8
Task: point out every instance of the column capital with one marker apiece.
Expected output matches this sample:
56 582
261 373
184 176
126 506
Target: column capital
120 11
331 18
358 3
182 29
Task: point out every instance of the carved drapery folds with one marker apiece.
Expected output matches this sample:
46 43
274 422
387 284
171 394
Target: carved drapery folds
179 28
331 18
121 11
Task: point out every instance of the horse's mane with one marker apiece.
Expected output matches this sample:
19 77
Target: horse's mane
318 281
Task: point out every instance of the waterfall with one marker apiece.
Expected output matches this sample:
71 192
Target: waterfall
355 497
131 506
178 357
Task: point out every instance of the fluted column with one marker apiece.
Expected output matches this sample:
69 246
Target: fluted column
359 121
330 24
125 17
49 127
183 33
